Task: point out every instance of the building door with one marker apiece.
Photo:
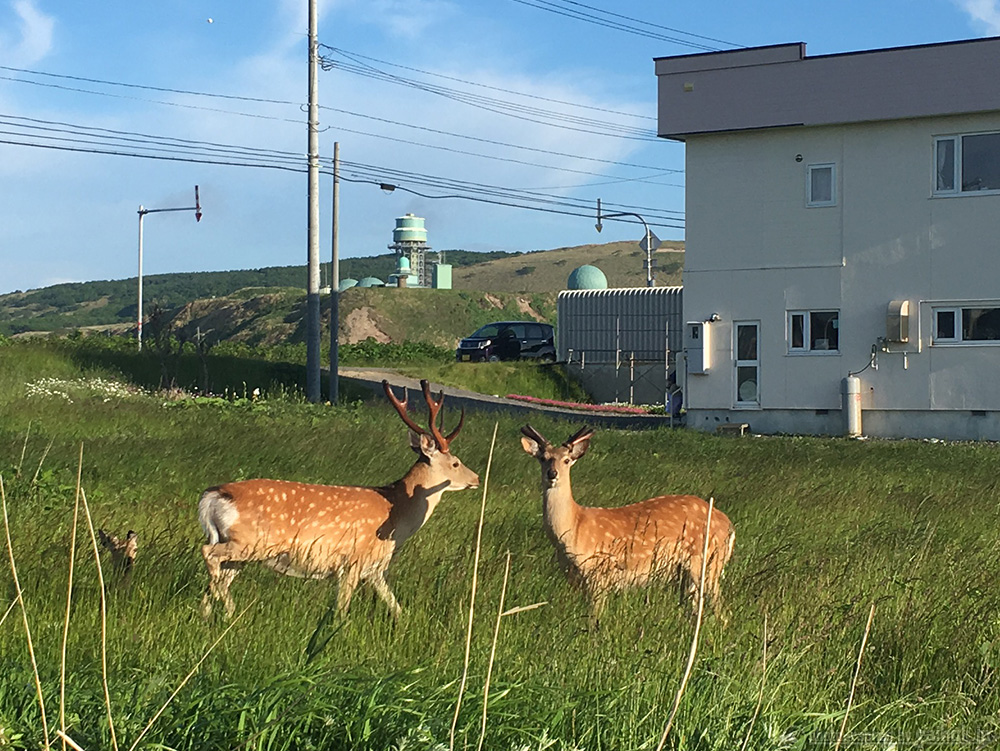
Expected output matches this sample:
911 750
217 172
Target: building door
746 353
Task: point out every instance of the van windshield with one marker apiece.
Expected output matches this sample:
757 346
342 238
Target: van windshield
488 331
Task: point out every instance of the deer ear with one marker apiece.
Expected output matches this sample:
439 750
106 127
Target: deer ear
531 446
579 448
423 444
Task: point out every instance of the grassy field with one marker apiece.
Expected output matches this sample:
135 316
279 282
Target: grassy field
825 528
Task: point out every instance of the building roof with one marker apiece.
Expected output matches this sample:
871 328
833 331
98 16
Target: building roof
779 85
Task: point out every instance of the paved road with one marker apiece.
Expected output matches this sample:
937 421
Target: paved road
371 378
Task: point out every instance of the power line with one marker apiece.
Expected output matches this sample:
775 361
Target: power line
357 57
650 23
494 142
527 113
642 179
642 30
298 121
27 122
103 141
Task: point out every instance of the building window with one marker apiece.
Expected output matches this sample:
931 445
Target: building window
956 325
821 188
967 163
813 331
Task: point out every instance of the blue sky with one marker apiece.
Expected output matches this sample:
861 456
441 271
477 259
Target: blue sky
71 216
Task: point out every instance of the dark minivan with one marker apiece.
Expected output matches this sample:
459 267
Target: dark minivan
509 340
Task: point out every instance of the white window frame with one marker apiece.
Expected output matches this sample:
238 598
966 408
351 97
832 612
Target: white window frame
956 336
806 348
811 202
957 309
738 401
956 145
956 172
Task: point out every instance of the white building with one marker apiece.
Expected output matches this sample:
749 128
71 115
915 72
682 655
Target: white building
840 207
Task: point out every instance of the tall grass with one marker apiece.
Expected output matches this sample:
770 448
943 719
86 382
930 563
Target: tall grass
825 527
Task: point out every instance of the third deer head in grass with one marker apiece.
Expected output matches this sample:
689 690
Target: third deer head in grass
318 531
606 549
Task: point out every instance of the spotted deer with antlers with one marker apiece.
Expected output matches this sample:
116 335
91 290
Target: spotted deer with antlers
319 531
606 549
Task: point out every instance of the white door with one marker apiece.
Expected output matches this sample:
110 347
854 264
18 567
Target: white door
746 359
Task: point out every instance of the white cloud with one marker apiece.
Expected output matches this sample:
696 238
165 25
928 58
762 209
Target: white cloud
986 13
33 40
408 19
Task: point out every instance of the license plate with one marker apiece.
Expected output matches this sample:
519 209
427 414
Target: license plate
466 358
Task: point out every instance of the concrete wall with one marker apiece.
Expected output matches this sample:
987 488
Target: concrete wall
756 251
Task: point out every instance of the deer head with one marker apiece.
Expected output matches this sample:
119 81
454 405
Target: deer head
555 460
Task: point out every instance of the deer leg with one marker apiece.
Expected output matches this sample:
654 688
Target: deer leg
598 598
223 561
346 584
381 586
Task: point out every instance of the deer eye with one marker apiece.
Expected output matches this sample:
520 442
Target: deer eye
566 460
455 465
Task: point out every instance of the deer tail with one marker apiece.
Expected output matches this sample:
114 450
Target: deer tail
216 515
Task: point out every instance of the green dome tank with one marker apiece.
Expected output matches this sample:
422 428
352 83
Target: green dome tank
587 277
371 281
409 228
347 284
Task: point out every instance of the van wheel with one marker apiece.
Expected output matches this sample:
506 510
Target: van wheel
547 359
494 358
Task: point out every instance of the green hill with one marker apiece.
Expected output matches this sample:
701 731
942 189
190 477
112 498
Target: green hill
438 317
265 305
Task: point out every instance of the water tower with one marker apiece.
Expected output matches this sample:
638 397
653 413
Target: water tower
409 239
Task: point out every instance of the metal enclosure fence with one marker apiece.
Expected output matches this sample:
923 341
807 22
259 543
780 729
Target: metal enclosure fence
635 324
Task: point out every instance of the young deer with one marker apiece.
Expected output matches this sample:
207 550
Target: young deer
318 531
605 549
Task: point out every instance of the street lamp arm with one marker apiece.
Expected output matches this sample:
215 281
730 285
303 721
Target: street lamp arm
649 249
157 211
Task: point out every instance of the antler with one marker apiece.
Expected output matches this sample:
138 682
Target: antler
434 407
401 408
535 435
581 435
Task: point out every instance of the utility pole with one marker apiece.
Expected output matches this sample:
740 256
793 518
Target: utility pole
312 291
335 284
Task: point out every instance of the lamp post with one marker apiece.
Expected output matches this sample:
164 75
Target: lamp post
142 215
650 240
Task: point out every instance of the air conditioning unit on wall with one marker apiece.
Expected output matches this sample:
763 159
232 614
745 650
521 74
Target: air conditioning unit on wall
897 321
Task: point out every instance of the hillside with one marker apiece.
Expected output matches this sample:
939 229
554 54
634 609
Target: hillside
265 304
83 304
547 270
439 317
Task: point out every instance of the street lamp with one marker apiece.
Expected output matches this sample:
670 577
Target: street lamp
142 213
649 243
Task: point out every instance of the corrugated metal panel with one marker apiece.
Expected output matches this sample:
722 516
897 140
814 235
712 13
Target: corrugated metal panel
632 320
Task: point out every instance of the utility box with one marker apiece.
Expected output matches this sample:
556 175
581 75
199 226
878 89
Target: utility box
897 321
442 276
697 347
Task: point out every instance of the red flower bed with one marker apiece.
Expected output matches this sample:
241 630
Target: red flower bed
584 407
